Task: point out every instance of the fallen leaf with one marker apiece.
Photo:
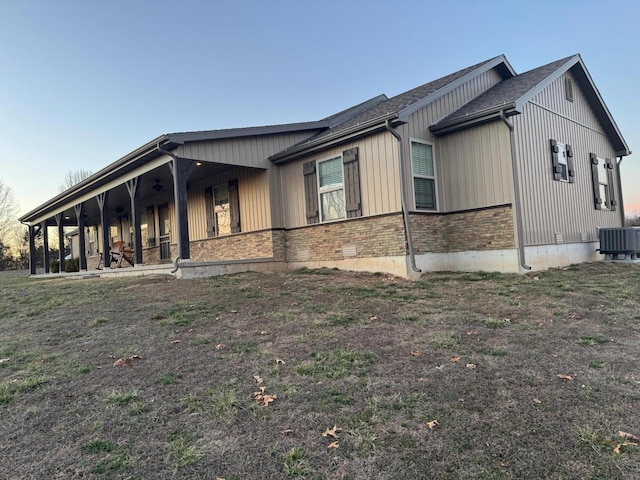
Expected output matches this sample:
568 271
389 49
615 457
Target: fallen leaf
415 353
455 359
564 377
219 346
439 367
2 360
176 341
332 432
422 379
259 392
257 378
263 332
267 399
624 444
472 332
628 436
504 464
333 445
373 317
535 400
287 431
234 311
471 366
432 424
119 362
127 361
279 361
137 357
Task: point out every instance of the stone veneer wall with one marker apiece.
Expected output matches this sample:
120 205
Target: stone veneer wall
380 236
485 229
241 246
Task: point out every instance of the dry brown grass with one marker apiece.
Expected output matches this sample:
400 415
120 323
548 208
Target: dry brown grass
376 356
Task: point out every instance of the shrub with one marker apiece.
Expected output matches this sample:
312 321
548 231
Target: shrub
54 265
72 265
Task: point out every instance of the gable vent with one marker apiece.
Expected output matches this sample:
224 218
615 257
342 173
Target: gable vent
568 89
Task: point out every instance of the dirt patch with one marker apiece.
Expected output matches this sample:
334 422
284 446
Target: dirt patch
378 357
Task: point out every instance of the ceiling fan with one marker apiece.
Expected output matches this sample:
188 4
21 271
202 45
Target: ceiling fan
158 186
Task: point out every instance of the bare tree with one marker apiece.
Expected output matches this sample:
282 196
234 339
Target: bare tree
73 178
9 224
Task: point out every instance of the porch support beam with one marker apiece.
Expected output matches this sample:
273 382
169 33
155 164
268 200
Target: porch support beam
33 231
45 246
82 262
102 199
181 170
133 187
60 241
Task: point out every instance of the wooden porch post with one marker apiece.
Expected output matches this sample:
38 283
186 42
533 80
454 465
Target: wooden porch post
45 245
181 170
133 187
79 209
32 249
59 221
102 199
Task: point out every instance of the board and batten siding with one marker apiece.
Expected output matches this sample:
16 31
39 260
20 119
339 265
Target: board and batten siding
379 175
421 120
475 168
552 207
253 191
242 151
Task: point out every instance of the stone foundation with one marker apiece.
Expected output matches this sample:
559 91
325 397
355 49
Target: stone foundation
241 246
474 230
381 236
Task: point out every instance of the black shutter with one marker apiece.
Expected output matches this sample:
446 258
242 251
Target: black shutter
311 192
352 194
211 221
570 168
557 169
597 201
234 206
612 194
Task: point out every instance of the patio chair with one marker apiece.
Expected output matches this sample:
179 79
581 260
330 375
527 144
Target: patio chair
120 252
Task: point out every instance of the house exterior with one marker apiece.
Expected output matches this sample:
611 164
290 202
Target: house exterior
482 169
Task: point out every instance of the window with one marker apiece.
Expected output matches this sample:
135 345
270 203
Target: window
562 161
424 177
223 209
331 189
602 176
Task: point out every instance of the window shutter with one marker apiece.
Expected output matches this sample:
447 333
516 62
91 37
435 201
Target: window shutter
352 182
596 184
570 168
208 201
311 192
234 206
612 195
557 169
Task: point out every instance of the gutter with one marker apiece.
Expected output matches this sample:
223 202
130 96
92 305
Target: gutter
623 219
482 116
323 142
405 212
516 190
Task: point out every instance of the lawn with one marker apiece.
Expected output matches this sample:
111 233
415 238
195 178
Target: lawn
322 374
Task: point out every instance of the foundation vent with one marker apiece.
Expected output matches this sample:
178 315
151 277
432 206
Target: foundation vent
349 251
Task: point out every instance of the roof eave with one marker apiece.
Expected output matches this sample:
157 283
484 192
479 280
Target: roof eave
351 133
478 118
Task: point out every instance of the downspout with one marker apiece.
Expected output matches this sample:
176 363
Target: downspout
516 190
405 212
175 165
623 219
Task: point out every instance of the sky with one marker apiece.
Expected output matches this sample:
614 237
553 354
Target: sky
83 83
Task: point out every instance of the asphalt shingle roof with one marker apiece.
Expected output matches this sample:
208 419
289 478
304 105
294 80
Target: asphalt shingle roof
397 103
505 92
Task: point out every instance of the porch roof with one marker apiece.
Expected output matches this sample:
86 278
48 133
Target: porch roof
148 156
